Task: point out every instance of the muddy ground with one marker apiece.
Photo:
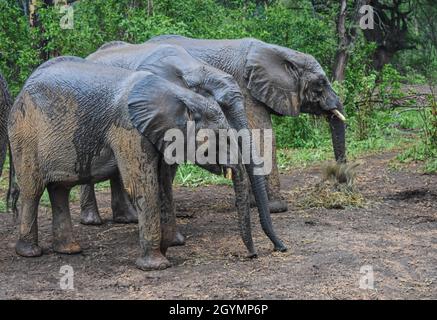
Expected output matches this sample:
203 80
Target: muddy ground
396 234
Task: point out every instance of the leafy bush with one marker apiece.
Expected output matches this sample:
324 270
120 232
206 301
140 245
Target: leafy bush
292 24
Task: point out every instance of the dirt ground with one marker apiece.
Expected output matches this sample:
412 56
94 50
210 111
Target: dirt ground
396 234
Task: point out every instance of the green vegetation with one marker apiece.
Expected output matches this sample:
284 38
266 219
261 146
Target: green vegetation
381 115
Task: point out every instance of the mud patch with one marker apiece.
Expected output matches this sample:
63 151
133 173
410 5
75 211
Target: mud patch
327 248
414 195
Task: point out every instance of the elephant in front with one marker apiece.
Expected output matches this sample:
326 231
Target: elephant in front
77 122
175 64
5 107
274 80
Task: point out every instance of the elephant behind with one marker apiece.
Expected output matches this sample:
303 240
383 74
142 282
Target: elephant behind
5 107
274 80
77 122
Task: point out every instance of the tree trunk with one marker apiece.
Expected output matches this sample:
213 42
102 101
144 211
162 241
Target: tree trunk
150 8
341 56
32 13
346 37
381 57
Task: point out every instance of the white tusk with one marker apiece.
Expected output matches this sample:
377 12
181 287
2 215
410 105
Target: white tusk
339 115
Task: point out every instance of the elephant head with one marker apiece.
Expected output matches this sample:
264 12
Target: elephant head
290 82
175 64
167 106
286 81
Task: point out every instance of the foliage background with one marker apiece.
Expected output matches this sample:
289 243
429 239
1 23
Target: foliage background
368 95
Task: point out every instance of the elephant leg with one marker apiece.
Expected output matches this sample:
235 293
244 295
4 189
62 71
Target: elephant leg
27 244
89 213
63 240
260 118
276 202
122 209
137 161
31 189
168 212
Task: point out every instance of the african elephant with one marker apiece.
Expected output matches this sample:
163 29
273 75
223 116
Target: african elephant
77 122
5 107
176 65
274 80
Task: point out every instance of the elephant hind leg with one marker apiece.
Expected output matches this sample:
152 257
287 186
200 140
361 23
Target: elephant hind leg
89 213
63 240
27 244
31 189
122 209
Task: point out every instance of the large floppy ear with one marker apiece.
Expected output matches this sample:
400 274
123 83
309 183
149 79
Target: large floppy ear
273 78
155 106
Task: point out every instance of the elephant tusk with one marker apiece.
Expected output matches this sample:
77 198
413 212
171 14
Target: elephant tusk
229 173
339 115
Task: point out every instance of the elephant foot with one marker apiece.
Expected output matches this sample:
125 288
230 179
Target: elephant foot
27 249
90 217
127 216
66 248
153 261
278 205
179 240
280 248
252 201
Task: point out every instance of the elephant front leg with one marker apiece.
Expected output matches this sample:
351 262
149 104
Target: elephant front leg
168 212
276 202
89 213
145 198
122 209
260 118
137 161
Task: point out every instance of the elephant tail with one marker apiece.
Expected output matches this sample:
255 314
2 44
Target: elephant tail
5 109
13 191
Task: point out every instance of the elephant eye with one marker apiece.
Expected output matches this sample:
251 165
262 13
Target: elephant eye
197 117
318 91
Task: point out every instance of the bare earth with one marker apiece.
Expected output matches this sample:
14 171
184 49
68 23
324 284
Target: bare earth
396 234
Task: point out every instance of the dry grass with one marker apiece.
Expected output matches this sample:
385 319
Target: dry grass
336 190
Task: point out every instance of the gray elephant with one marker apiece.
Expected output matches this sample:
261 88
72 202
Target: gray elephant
5 107
77 122
176 65
274 80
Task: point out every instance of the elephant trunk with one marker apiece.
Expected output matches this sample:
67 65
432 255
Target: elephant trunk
338 135
259 191
258 182
241 187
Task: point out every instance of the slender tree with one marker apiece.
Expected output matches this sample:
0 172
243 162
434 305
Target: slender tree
347 33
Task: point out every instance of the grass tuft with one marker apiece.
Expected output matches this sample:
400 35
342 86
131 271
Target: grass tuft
335 191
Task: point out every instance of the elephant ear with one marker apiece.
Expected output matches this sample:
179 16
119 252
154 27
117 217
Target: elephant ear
273 79
155 106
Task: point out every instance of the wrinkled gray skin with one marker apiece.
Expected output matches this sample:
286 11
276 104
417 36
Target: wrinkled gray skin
5 107
275 80
77 122
176 65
